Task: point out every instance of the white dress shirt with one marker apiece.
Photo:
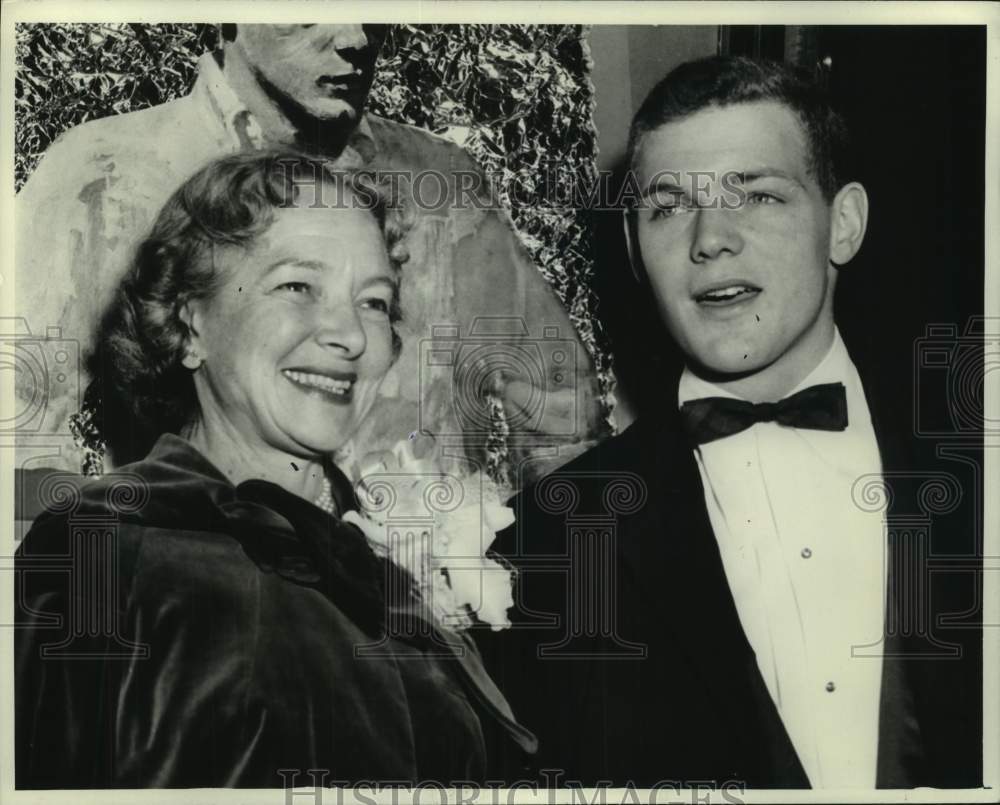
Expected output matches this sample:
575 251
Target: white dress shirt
806 567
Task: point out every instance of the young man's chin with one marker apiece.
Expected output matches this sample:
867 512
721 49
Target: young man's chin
734 365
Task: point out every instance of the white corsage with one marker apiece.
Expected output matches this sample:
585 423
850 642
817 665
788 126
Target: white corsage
438 527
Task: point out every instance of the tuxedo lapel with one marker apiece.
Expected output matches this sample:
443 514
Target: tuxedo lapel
672 556
900 746
697 588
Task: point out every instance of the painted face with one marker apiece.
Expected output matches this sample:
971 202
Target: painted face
324 70
735 240
296 339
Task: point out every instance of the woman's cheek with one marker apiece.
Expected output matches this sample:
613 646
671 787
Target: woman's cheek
380 342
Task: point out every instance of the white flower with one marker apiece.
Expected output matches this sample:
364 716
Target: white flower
438 527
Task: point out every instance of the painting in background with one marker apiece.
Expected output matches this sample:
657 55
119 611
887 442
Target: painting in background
518 97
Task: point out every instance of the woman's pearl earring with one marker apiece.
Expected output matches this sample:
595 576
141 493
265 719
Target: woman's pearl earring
191 360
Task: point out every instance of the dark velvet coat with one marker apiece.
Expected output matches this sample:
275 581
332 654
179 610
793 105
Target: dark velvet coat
177 631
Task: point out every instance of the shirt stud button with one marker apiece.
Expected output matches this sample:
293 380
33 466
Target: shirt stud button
830 687
806 553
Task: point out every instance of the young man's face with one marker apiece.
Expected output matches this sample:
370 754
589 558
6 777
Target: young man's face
748 290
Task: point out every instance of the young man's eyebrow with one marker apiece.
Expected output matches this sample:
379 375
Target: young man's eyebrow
745 177
665 182
659 185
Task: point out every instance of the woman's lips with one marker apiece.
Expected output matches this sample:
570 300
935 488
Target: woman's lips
337 385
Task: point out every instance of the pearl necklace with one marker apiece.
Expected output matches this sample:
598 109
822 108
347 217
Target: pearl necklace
325 500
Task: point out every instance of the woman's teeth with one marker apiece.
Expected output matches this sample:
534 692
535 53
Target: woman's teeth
320 382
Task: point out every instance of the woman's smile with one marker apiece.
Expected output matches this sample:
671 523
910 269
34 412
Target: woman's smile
336 386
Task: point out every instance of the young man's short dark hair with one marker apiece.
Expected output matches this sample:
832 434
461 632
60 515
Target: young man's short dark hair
728 80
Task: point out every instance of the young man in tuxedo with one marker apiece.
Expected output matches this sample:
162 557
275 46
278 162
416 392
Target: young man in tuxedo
713 595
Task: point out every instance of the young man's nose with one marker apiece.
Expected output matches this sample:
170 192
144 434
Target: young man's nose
715 233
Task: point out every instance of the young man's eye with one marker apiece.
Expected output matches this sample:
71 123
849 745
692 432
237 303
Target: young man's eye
664 211
759 197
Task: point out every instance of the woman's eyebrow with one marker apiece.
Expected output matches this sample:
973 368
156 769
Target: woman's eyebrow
312 265
382 279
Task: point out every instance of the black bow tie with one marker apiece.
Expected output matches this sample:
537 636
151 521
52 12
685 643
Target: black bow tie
821 407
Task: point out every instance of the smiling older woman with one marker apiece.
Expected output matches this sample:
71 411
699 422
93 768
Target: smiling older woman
244 348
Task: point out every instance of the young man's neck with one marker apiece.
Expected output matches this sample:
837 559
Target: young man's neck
320 139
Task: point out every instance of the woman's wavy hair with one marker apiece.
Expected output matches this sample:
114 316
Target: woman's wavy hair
140 390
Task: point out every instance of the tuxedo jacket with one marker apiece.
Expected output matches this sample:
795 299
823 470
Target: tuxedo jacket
628 659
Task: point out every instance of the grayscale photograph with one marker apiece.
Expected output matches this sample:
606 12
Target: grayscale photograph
415 410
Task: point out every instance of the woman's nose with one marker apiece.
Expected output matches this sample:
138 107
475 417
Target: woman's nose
716 232
339 327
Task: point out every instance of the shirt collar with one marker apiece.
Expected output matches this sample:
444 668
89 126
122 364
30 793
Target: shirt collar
835 367
212 89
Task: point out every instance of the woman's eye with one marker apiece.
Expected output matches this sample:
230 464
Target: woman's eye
381 305
294 287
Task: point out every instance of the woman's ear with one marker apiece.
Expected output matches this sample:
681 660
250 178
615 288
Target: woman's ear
190 317
848 223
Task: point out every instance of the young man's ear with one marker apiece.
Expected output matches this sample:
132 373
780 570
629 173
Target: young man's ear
848 223
629 220
189 316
